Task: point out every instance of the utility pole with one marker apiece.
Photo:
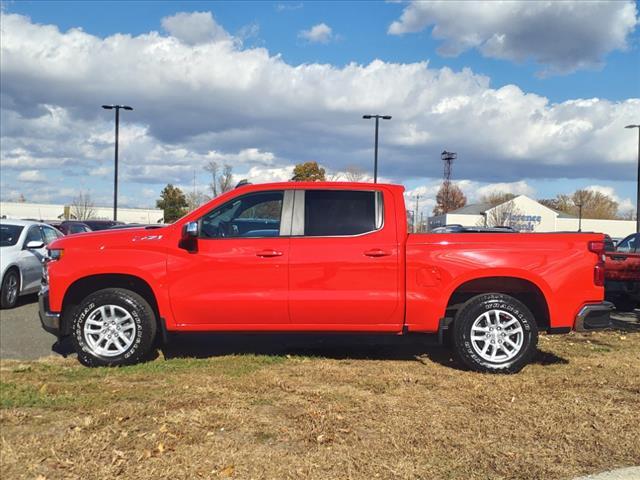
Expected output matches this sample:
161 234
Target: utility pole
375 148
115 174
637 181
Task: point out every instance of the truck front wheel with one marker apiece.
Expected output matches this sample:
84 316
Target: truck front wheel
495 333
113 327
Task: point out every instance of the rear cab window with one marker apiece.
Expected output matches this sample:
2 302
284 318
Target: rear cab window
342 212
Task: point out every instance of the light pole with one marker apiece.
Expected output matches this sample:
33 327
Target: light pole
115 174
579 205
375 151
415 219
638 181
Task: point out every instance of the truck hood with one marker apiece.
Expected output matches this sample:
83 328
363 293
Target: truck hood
109 238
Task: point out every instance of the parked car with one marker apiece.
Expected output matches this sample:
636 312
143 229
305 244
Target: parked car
321 257
96 225
69 227
622 273
22 249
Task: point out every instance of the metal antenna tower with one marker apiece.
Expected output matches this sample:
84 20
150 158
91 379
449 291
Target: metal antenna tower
447 158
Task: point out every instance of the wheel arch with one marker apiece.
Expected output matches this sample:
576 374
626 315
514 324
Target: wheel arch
84 286
16 267
525 290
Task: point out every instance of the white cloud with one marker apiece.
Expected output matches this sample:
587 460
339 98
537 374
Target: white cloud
251 109
31 176
320 33
194 28
562 35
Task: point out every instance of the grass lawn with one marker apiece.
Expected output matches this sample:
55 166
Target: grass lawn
392 412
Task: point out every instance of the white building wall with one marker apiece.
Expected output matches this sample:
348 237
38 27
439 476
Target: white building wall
41 211
613 228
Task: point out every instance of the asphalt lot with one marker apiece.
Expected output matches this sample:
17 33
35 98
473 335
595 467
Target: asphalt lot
22 338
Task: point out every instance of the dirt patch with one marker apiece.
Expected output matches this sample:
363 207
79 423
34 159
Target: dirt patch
385 415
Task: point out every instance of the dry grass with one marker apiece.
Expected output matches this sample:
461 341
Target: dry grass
574 411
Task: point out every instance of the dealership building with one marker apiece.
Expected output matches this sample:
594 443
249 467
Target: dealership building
43 211
527 215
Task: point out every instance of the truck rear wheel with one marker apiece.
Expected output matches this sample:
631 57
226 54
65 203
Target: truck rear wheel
113 327
495 333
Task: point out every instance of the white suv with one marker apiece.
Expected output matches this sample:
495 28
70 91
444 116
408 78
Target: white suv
22 249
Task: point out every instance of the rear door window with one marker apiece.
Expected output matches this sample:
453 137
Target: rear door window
49 235
341 212
33 235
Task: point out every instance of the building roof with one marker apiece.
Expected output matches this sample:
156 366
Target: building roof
472 209
480 208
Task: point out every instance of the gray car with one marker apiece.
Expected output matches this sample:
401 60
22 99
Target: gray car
22 249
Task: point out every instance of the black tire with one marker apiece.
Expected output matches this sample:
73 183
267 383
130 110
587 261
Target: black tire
509 308
142 338
10 289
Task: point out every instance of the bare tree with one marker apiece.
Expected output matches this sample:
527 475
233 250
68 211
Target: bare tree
594 204
353 173
497 198
82 207
221 178
502 215
195 199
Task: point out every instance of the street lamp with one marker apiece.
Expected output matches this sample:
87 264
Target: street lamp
579 205
115 175
375 151
638 181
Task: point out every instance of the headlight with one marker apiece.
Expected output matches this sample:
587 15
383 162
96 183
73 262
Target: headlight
55 254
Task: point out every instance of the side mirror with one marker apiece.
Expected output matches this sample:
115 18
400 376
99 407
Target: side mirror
34 245
189 238
191 230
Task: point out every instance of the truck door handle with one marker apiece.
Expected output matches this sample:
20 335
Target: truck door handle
269 253
377 252
618 257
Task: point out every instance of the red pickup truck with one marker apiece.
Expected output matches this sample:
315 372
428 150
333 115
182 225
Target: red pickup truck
622 273
320 257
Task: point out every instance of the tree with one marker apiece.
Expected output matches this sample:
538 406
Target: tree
195 199
594 204
308 172
354 173
174 203
449 198
497 198
501 215
82 207
221 178
21 198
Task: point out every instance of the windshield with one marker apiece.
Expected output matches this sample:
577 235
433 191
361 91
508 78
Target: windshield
9 235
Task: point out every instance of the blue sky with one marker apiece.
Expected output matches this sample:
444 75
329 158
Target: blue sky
517 67
361 27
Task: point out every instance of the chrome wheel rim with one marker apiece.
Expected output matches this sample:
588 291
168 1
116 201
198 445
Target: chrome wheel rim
497 336
12 289
109 330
